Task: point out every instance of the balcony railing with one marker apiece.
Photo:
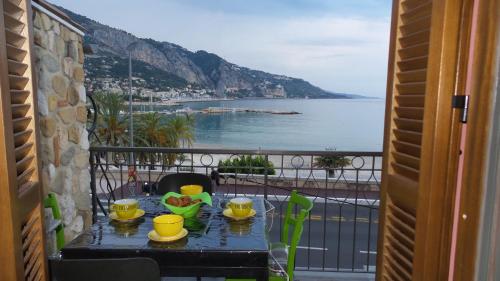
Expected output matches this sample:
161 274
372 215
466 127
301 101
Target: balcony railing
341 231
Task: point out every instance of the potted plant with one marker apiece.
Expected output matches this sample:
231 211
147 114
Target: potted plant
330 163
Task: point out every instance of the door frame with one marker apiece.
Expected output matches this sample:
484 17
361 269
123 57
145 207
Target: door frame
481 128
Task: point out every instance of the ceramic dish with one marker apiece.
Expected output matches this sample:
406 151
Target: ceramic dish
153 236
138 214
229 214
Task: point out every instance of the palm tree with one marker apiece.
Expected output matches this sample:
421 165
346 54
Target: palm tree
330 163
181 130
149 130
154 131
112 125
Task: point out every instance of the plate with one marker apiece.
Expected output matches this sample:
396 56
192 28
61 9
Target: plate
152 235
229 213
138 213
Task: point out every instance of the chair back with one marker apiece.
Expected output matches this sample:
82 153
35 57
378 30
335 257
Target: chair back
127 269
51 202
294 226
173 182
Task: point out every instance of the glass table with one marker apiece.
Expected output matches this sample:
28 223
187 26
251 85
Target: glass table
215 246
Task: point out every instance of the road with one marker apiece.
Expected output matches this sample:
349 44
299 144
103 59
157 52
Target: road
346 240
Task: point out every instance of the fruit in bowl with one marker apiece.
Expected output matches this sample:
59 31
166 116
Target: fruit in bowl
182 201
186 206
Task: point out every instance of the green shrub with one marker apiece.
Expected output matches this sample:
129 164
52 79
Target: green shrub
247 165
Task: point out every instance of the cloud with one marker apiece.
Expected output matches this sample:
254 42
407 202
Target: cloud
337 45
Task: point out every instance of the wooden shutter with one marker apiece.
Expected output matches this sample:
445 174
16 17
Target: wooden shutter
421 140
22 255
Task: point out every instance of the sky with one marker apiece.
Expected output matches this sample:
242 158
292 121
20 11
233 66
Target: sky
338 45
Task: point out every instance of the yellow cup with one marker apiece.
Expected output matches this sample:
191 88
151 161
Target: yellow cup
125 208
191 189
241 206
168 225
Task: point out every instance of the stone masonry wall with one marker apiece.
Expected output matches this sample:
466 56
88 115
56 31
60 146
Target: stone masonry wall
61 103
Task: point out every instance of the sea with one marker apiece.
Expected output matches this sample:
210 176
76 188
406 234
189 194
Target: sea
323 124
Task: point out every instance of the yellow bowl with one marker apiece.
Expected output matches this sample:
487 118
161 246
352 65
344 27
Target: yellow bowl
168 225
241 206
125 208
191 189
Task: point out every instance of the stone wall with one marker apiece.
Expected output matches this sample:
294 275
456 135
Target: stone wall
62 107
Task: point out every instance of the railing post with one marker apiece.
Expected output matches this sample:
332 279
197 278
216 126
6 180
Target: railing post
266 172
93 187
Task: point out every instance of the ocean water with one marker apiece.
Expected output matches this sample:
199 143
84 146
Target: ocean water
344 125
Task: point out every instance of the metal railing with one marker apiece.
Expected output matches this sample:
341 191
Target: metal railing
341 231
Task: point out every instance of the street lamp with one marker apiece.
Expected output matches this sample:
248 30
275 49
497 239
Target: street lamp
130 48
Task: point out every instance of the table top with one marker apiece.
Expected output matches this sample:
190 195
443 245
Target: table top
213 240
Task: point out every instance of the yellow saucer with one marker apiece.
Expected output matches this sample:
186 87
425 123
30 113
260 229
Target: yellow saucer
138 213
152 235
229 213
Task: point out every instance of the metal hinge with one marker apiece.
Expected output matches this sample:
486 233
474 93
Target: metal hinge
461 102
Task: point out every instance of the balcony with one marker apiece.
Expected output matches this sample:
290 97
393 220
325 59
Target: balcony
340 234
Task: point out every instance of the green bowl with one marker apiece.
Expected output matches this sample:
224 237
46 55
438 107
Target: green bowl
189 211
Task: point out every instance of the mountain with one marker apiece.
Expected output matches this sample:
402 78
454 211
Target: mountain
161 66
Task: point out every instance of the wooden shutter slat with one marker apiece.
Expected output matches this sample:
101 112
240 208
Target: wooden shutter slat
410 112
413 63
31 268
412 76
24 178
17 68
15 2
29 245
411 88
20 124
408 136
12 9
412 13
35 273
24 164
18 82
399 268
416 26
15 53
22 137
393 275
409 243
409 218
409 148
406 171
22 150
416 38
417 50
404 228
409 124
400 251
407 160
13 24
19 110
411 100
14 39
18 96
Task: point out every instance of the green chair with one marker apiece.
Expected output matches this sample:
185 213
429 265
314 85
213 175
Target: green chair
284 251
51 202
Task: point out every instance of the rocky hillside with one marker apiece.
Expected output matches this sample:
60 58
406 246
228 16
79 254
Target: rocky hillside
163 65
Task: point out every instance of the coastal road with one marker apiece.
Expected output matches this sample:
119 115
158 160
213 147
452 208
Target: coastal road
346 240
